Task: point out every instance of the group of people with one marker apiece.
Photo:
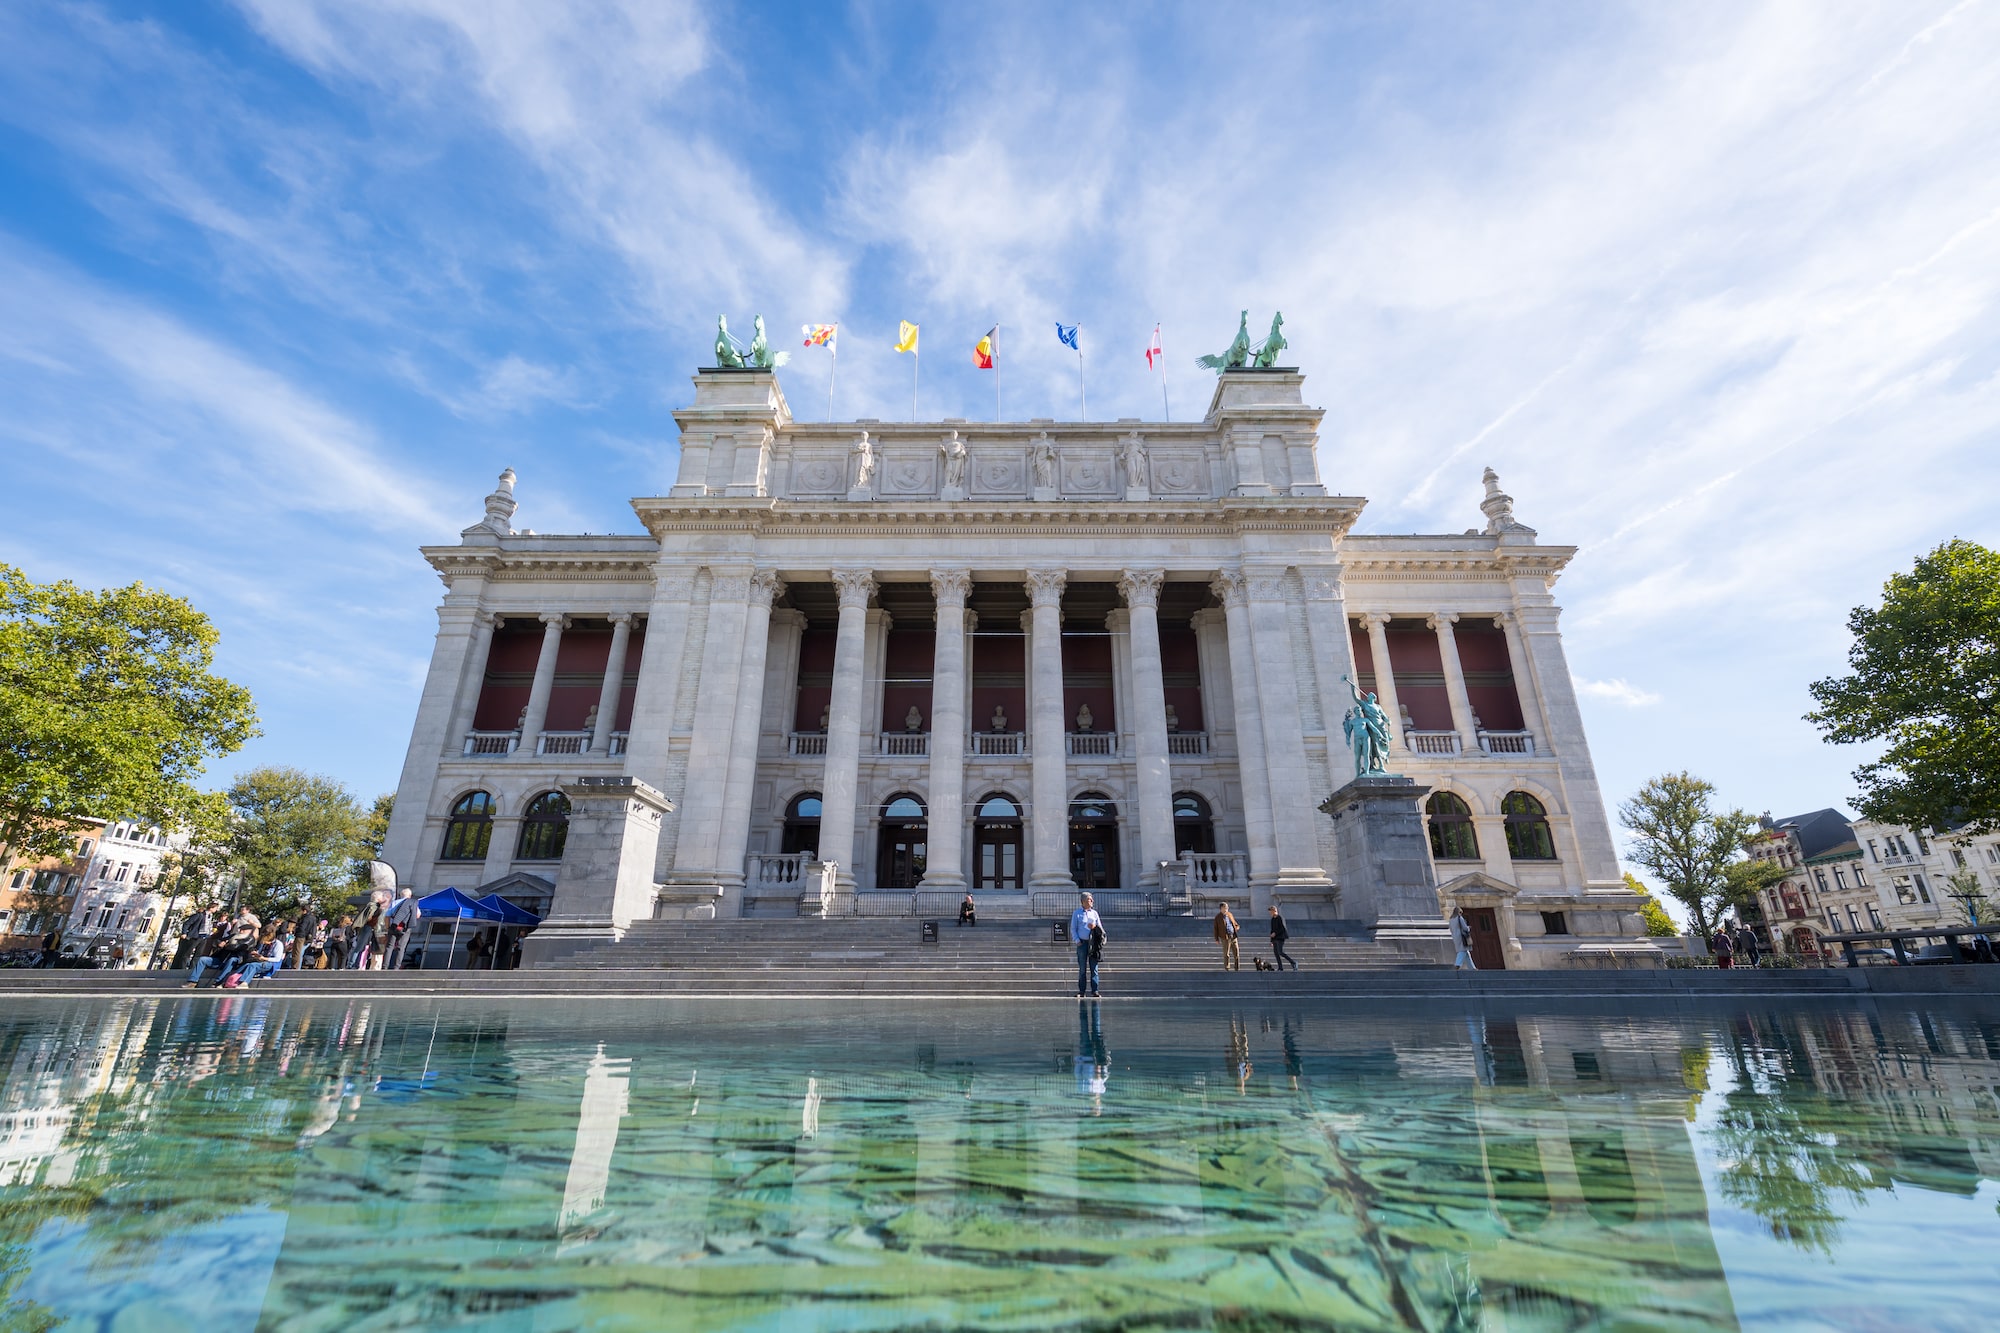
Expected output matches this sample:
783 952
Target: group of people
1728 944
1227 931
242 949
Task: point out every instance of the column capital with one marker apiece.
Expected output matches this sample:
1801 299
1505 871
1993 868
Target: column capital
673 584
1265 583
855 587
1141 587
622 618
555 619
1230 588
489 619
1441 621
951 586
1321 582
1375 619
1045 586
766 587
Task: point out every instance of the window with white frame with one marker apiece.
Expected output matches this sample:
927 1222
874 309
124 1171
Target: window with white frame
1874 918
1840 876
1871 850
1833 920
1819 878
1853 920
1923 889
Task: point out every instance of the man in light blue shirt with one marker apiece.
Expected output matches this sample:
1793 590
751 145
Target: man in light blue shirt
1084 926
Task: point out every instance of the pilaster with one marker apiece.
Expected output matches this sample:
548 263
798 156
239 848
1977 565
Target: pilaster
1229 589
765 586
698 867
458 668
1299 870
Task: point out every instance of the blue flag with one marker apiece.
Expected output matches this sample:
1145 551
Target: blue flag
1067 336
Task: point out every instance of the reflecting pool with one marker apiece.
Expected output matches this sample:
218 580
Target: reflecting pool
263 1162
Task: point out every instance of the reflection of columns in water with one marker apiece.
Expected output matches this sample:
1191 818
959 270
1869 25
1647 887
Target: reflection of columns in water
606 1099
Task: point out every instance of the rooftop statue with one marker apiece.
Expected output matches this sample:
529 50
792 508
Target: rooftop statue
760 349
1366 727
1238 354
1267 355
726 355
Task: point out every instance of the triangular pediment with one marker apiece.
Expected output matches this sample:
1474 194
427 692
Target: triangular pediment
1475 885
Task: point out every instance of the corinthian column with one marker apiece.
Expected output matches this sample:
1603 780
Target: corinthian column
1385 678
1153 788
843 727
947 815
1049 784
614 683
1454 682
553 625
765 587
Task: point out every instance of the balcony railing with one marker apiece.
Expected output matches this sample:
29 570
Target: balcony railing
1189 743
564 742
1092 743
996 744
904 742
1199 875
491 742
806 743
1433 742
618 740
791 875
1507 742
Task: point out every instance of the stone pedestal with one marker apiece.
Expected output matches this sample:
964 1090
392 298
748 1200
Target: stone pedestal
1386 880
606 877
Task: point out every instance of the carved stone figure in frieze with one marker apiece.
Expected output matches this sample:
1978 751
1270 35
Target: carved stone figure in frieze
864 462
1132 454
1042 457
955 459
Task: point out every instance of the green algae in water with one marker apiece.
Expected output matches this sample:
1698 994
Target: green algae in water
259 1162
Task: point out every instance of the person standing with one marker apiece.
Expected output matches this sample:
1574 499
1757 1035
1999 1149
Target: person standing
1086 931
1746 944
1280 932
1226 932
51 948
1461 939
402 924
1723 947
361 943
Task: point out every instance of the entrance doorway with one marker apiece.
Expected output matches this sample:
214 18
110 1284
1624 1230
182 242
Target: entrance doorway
1093 842
1487 955
900 849
1194 827
801 833
996 845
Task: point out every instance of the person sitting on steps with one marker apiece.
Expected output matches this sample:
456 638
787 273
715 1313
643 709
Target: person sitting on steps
968 912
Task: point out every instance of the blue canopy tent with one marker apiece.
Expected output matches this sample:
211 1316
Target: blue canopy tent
518 919
451 903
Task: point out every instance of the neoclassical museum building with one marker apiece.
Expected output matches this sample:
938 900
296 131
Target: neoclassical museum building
866 667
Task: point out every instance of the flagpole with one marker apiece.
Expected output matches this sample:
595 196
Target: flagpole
1082 390
996 372
1166 412
832 368
916 360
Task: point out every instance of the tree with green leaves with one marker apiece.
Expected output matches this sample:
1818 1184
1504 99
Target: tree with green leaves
108 708
1658 924
292 841
375 831
1696 851
1924 677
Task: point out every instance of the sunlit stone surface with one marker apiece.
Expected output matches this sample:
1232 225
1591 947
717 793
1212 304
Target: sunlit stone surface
276 1164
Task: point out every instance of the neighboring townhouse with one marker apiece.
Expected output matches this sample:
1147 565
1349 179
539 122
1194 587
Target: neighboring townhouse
121 901
1915 867
36 893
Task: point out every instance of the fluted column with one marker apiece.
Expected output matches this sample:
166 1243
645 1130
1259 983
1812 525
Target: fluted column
614 683
1385 679
1454 682
1153 785
1293 805
1049 787
553 625
838 790
1249 719
946 834
765 587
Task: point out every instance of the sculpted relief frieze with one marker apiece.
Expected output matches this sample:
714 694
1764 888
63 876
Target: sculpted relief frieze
819 474
994 470
1179 474
909 474
1000 474
1088 473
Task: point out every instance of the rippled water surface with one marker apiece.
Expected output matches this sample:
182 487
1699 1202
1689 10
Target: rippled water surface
259 1162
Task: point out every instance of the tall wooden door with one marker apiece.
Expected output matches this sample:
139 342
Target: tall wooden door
1487 954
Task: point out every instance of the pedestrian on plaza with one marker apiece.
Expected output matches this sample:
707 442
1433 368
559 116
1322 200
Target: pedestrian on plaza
1723 947
194 937
1280 932
51 948
402 921
337 943
1226 932
1461 939
1746 944
363 949
1086 931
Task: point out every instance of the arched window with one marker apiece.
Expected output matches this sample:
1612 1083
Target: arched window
903 807
1194 826
1452 835
1093 842
802 825
544 828
901 851
1527 828
997 845
999 807
470 829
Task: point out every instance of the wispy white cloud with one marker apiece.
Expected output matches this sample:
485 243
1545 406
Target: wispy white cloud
1617 691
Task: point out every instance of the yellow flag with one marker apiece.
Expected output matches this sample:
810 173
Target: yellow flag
906 341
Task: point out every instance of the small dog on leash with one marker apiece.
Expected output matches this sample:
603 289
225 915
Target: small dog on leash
1263 966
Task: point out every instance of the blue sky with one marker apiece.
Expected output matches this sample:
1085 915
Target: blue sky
1713 286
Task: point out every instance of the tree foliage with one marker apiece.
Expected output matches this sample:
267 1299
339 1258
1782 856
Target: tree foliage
108 708
1658 924
292 841
1925 677
1691 847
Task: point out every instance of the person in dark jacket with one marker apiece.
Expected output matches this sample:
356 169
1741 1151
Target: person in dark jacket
1279 934
1747 947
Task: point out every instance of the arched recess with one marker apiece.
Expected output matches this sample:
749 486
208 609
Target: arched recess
544 828
469 830
997 843
1526 820
1093 841
1453 837
1194 824
901 846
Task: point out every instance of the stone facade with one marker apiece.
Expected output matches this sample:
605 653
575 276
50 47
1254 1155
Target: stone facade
866 667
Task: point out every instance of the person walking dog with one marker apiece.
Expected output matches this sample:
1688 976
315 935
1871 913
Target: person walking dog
1086 931
1225 934
1280 932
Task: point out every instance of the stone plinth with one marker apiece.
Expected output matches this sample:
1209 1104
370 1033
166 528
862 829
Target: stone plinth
606 877
1386 881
